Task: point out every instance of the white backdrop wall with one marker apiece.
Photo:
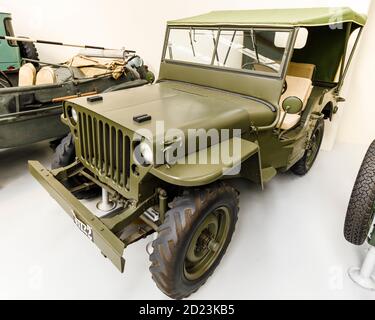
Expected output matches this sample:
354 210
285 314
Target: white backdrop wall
141 24
357 124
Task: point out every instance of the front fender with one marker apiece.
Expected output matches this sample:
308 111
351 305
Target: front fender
186 174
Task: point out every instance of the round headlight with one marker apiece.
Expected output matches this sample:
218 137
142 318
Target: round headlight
74 116
146 153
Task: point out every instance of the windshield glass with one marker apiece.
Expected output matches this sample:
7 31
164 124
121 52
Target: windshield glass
250 50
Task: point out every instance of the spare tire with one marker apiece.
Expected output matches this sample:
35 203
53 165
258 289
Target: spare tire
361 210
29 51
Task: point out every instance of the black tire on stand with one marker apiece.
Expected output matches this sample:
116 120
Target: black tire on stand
193 239
361 209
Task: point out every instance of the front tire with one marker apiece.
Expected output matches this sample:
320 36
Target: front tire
65 155
193 239
303 166
361 209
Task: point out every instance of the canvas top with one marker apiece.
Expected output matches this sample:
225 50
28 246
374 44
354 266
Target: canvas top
303 17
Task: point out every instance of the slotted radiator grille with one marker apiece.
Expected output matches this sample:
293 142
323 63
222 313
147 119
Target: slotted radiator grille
105 148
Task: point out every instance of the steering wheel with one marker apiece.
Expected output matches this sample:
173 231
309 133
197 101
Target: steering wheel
285 87
4 80
253 64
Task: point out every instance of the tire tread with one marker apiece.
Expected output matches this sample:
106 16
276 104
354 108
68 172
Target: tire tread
171 232
361 205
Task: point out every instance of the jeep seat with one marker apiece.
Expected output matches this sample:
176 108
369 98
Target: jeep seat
302 70
46 75
300 87
26 75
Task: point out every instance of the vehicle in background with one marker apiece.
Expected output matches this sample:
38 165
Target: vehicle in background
32 92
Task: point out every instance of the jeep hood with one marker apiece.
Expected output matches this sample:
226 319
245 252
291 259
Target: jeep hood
179 106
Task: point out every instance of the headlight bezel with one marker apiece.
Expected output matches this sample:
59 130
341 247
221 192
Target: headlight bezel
72 115
146 152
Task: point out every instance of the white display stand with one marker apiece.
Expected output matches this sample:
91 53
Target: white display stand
363 276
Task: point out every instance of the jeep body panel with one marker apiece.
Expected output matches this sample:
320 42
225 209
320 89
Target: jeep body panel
263 88
193 175
180 106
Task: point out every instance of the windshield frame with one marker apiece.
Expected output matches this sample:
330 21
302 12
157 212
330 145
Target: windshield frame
218 29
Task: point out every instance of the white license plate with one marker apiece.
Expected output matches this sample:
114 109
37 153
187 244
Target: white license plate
85 229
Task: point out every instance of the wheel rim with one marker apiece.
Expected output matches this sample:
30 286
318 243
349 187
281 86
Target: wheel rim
314 146
207 243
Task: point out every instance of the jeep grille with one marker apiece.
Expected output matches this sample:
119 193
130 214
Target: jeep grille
105 149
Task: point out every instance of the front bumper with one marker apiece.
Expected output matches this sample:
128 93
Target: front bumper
111 246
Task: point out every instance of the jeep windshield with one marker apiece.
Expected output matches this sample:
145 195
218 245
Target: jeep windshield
252 50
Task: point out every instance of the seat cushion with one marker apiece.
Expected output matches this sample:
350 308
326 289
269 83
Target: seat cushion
302 70
46 75
26 75
290 121
297 87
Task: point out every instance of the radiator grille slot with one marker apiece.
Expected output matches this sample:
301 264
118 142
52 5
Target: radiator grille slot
105 148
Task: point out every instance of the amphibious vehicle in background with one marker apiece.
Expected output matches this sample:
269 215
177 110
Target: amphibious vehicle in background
270 77
32 91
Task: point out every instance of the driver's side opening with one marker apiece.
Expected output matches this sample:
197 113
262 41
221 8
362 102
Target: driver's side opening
298 83
317 63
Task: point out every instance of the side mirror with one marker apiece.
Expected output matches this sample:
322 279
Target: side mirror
281 39
292 105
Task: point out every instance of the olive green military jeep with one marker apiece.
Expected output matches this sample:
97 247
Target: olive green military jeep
260 84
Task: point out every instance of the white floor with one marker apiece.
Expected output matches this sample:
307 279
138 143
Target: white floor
288 243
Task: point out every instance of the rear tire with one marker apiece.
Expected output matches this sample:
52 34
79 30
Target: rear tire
193 239
361 209
303 166
65 155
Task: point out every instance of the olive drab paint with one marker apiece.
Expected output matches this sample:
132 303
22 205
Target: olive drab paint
193 96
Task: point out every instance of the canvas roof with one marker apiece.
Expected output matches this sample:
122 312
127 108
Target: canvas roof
303 17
